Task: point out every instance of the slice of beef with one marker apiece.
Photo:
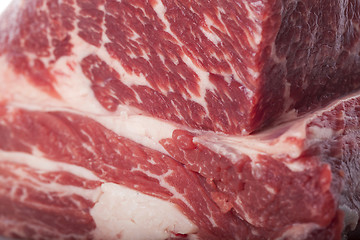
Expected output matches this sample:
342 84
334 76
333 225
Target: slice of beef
299 180
66 176
303 171
229 66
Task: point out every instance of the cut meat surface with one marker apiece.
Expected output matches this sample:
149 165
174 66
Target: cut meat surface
88 146
228 66
131 120
222 186
313 155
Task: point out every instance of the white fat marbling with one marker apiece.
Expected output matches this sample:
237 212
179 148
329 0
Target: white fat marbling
38 162
123 214
208 33
43 165
280 147
145 130
322 132
203 75
298 231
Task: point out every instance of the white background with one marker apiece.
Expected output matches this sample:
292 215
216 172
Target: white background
3 4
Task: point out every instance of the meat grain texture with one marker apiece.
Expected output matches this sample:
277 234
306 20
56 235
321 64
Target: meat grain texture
174 119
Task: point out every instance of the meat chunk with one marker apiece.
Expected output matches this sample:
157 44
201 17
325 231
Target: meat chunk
228 66
132 119
296 177
299 180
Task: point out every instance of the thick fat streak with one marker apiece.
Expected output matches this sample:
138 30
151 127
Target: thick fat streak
116 210
298 231
129 214
77 94
36 161
44 165
136 128
126 122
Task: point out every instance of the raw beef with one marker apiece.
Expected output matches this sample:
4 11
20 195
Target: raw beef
67 174
106 109
229 66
